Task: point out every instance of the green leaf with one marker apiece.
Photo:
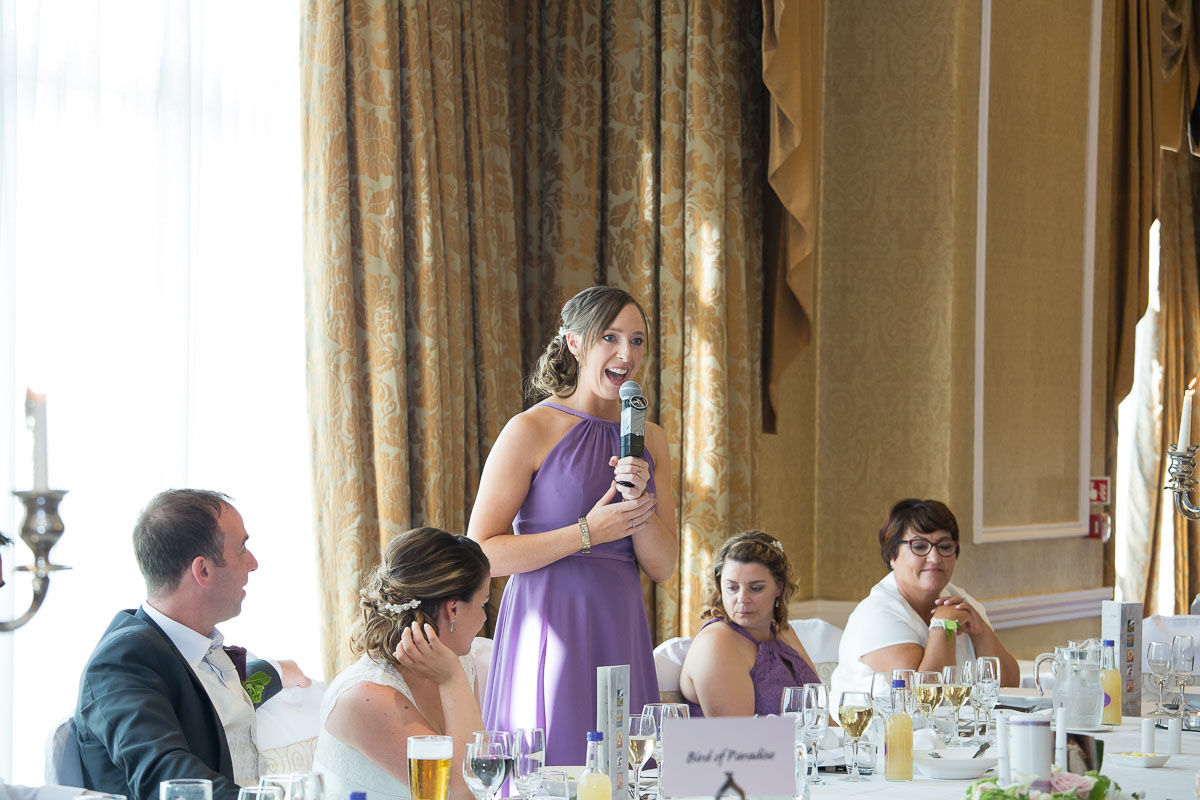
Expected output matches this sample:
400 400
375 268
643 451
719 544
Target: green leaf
255 684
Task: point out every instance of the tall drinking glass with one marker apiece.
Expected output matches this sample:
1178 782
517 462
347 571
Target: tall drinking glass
429 760
1158 659
815 715
642 738
485 768
956 687
854 712
185 789
985 692
260 793
791 705
290 784
529 758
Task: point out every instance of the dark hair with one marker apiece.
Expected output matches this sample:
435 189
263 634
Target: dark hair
5 541
424 564
752 547
914 516
586 314
174 528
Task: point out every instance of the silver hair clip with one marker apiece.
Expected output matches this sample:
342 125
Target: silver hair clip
401 607
778 545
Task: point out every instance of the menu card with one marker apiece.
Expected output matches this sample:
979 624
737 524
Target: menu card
1122 622
612 711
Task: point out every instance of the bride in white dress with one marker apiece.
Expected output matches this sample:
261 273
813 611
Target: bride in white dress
421 610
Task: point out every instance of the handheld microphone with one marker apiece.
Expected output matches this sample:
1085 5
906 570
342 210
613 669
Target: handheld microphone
633 423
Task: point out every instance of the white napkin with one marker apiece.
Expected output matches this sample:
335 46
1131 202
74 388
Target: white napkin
927 739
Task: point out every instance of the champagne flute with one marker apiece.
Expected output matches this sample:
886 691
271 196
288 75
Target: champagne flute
1158 659
854 712
529 758
815 714
485 768
429 760
642 738
985 692
791 704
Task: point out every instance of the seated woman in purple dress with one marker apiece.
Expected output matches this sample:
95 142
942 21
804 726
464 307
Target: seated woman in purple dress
744 656
573 523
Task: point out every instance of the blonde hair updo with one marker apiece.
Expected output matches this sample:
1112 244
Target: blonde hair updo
427 565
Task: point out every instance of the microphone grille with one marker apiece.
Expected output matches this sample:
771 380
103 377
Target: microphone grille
630 389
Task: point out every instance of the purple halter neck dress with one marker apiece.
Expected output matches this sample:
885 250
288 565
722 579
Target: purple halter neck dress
776 667
558 623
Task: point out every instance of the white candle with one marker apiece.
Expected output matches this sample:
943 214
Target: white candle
35 415
1185 420
1003 771
1147 735
1174 727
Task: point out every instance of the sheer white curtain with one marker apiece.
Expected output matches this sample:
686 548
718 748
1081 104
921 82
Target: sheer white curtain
151 285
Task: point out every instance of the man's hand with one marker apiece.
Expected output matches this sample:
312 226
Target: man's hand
292 676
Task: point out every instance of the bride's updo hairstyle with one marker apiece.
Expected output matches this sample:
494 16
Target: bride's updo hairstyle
586 315
752 547
420 571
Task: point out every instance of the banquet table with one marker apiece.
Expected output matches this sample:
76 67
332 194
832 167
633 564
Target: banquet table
1175 780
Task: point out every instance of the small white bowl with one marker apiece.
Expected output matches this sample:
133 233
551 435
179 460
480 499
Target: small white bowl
954 765
1129 760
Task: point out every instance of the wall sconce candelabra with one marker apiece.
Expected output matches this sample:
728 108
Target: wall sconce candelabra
41 531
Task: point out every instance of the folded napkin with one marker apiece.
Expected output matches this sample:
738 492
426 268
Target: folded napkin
927 739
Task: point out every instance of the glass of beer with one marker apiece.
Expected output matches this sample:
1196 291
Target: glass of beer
429 766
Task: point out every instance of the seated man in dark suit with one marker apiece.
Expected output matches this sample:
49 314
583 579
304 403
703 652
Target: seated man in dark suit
160 697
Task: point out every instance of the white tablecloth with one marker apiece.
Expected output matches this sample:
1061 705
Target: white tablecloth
1175 780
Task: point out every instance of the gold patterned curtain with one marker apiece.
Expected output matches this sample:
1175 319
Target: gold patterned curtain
467 167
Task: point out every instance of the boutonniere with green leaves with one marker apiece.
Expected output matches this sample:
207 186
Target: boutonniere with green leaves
255 684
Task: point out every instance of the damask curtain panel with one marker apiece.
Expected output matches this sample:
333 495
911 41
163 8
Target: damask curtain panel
610 142
411 274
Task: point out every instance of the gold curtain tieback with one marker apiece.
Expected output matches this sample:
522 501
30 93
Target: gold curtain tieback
585 536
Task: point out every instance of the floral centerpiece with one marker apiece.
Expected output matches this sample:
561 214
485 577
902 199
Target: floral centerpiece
1063 786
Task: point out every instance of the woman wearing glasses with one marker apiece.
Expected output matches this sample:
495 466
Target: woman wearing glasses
914 618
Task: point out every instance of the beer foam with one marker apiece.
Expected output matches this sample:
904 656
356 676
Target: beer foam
430 747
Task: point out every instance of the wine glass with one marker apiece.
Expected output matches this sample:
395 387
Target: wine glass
956 687
854 712
485 767
815 715
881 698
289 787
928 690
1183 662
529 758
1158 659
660 713
985 692
642 738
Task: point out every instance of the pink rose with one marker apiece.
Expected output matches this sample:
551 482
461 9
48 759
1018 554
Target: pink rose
1070 782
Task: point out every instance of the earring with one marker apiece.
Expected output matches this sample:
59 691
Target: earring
452 624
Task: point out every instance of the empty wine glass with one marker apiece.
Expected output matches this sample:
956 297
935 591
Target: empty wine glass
1158 659
1183 662
529 758
485 767
854 712
985 692
791 705
910 681
815 714
881 698
185 789
642 738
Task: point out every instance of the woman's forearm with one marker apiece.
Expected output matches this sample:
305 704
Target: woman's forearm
939 652
987 643
511 554
656 549
462 718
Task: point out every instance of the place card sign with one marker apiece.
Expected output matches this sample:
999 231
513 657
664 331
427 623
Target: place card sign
759 751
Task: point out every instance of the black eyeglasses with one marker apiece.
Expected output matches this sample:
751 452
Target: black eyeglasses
921 547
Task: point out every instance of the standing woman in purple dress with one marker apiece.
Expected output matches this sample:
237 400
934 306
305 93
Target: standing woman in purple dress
551 514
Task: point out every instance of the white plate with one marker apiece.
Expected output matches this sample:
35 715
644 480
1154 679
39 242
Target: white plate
1126 760
953 766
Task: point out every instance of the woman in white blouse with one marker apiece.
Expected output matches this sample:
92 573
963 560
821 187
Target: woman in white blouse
914 618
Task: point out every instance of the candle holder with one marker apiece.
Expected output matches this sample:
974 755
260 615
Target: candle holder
41 531
1181 484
